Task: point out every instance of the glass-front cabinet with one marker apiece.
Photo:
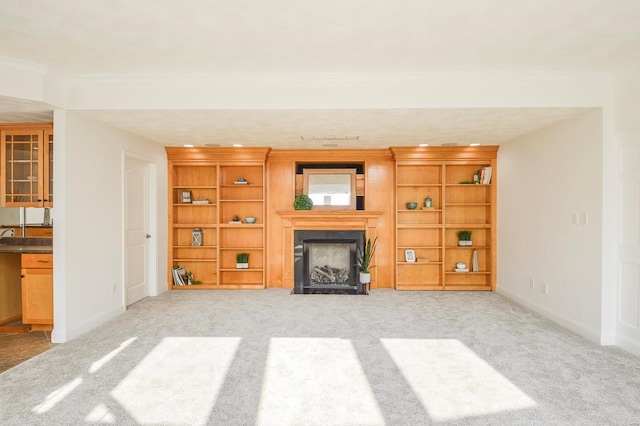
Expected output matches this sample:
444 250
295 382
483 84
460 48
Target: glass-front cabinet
27 173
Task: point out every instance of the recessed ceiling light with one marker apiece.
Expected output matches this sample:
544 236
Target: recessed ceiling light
237 144
188 145
423 144
329 138
474 144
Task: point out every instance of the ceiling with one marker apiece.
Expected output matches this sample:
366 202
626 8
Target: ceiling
76 37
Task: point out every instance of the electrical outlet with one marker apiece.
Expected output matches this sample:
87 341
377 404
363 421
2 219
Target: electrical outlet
532 283
545 288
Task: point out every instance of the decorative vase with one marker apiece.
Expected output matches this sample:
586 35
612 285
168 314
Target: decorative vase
474 261
365 277
428 202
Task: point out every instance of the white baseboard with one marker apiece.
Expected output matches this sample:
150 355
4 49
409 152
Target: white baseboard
64 335
557 317
608 339
628 344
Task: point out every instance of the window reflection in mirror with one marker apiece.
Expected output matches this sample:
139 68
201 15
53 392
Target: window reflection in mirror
331 188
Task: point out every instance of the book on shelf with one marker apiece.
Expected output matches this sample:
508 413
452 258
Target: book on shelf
486 175
179 276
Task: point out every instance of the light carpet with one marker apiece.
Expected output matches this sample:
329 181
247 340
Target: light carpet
271 358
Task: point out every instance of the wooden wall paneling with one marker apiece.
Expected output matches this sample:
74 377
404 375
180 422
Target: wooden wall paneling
284 184
281 184
379 187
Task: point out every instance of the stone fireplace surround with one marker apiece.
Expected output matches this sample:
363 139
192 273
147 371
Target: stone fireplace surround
323 220
334 249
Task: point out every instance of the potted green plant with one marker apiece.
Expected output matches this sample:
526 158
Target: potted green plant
464 238
302 202
364 257
242 261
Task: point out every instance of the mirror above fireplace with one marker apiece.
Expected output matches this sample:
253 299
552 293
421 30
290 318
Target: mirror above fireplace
331 189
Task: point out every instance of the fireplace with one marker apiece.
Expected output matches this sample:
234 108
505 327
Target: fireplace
324 261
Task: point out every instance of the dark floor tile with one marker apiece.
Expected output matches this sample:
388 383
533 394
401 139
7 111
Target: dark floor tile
19 347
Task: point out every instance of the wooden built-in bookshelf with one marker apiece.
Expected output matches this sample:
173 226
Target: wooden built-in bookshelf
213 174
446 175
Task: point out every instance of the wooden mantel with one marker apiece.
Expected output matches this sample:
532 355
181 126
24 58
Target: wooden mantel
339 220
330 219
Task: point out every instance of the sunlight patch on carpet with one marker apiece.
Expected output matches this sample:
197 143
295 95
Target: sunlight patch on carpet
314 381
96 366
451 381
100 414
56 396
178 381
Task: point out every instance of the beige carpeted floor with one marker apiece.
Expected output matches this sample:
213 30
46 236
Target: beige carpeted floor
271 358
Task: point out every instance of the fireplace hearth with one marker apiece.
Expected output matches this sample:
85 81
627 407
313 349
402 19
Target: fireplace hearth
325 262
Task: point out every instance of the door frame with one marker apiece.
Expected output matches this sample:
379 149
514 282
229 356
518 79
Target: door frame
152 271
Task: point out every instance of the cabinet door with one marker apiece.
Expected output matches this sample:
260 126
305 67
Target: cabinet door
47 161
37 296
22 174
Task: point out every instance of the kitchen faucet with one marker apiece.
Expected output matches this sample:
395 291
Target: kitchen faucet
10 230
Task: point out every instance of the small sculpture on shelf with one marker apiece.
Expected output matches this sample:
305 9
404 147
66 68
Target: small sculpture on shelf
196 237
241 181
236 219
461 267
428 203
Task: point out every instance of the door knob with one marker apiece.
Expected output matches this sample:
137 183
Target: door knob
148 235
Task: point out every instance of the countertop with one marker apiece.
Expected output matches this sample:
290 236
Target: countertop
35 245
28 225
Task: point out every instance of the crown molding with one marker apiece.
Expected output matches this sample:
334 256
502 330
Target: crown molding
333 79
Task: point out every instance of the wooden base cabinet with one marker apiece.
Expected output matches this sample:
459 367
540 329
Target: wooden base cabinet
208 189
37 291
427 247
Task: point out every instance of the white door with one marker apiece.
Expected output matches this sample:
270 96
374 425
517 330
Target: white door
137 236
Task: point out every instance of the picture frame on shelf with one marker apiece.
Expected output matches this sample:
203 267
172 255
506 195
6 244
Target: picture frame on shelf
410 255
185 197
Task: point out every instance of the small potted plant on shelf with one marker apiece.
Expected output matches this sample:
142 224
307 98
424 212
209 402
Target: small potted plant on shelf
242 261
302 202
364 258
464 238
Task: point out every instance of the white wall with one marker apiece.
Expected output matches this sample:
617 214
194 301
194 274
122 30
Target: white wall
627 136
545 178
9 215
88 248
